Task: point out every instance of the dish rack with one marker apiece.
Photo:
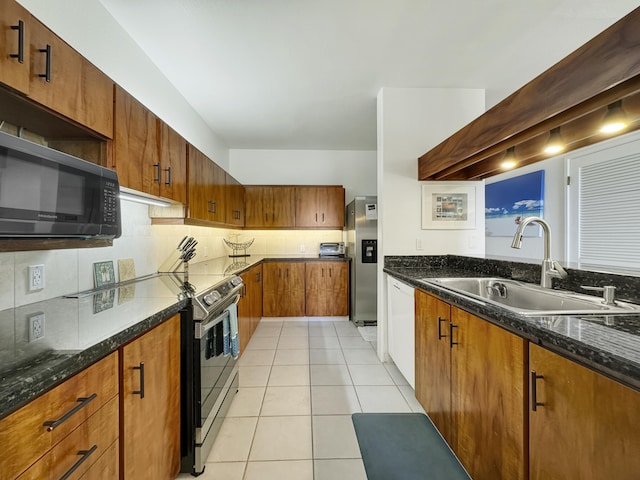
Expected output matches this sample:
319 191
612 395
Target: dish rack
239 246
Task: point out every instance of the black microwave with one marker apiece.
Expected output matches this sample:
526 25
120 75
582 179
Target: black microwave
45 193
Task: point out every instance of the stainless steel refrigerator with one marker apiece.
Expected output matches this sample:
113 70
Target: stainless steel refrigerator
362 248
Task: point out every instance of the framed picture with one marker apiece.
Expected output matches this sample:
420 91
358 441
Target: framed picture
448 207
508 201
103 274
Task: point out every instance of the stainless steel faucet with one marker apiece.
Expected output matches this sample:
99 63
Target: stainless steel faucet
550 268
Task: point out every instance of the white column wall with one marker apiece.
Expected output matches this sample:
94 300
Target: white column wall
410 122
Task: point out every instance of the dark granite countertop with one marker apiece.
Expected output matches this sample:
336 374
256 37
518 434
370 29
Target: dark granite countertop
609 345
81 329
78 332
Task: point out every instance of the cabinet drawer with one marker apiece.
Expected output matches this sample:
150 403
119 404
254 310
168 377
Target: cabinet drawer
106 467
24 435
80 449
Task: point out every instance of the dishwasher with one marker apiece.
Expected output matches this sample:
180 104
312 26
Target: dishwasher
401 318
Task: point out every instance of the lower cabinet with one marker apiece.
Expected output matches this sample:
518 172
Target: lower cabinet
250 305
150 403
75 424
293 289
326 288
474 392
283 289
584 425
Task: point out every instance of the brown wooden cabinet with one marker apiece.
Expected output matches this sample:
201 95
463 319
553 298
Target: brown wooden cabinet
320 207
481 412
206 188
64 81
269 207
326 288
283 289
585 425
234 202
15 22
135 143
30 441
51 73
250 305
433 361
79 452
150 403
487 397
172 181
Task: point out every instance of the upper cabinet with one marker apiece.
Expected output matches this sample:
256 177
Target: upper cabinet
136 157
15 22
67 83
206 188
148 155
37 63
234 202
172 178
320 207
270 207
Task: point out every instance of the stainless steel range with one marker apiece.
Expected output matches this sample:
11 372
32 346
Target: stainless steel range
209 364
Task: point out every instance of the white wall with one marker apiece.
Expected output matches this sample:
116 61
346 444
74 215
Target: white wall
90 29
411 121
354 169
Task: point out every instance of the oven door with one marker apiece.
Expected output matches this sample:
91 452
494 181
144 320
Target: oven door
214 376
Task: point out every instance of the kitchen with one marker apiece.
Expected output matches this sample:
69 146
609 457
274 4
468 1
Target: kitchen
148 243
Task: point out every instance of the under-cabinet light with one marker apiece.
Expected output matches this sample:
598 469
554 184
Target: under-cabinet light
133 197
555 144
615 119
510 160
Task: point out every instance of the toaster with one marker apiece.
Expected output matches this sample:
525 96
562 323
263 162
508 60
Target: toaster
332 249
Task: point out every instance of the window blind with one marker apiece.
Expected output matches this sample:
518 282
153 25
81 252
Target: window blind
609 216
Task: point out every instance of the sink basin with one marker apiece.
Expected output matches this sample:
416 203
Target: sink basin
528 299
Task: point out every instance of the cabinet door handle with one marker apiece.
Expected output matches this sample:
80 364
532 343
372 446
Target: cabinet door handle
141 391
323 218
157 167
168 180
210 209
258 277
82 402
451 342
316 218
440 334
329 273
20 29
85 454
47 66
534 391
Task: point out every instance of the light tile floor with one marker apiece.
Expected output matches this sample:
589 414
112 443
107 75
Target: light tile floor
301 378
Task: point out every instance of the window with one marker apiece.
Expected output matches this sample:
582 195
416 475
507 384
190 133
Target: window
603 209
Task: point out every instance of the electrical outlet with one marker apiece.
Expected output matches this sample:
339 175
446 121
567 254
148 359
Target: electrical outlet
419 245
36 277
36 327
302 248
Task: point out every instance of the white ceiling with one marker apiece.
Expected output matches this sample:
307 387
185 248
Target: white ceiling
304 74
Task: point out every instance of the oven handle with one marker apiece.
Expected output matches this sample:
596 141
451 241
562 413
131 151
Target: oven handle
202 328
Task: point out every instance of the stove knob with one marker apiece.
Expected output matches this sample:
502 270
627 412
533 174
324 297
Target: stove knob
211 298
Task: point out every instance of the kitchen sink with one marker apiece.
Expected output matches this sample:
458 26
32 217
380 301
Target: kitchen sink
529 299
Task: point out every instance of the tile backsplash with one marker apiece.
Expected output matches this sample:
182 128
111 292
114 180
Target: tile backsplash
71 271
